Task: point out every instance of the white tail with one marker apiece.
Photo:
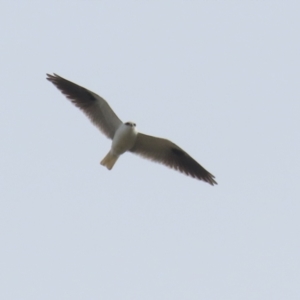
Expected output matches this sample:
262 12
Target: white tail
109 160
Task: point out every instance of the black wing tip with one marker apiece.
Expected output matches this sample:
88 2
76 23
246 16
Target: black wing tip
208 178
53 77
58 81
197 172
211 180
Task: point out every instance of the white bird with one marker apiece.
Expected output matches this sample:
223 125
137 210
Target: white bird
124 135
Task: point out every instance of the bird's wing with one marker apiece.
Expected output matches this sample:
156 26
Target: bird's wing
169 154
94 106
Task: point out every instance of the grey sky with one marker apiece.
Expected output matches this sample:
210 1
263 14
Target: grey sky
221 80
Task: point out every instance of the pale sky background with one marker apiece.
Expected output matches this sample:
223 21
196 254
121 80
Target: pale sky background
220 79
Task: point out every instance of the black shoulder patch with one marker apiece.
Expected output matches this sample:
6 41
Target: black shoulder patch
91 97
177 151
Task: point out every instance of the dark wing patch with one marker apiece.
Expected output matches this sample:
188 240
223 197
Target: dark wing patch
165 152
94 106
177 151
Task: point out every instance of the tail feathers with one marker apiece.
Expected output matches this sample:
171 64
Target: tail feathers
109 160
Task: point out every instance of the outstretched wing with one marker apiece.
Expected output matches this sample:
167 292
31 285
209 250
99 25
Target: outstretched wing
94 106
169 154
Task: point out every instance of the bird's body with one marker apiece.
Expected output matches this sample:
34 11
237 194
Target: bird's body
124 140
124 135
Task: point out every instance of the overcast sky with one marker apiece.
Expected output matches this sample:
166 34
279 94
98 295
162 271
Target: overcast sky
218 78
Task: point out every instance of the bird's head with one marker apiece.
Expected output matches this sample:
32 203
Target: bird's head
131 124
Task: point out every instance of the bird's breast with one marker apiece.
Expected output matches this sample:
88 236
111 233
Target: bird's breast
124 139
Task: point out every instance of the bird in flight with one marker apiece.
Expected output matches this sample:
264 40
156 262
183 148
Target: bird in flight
125 137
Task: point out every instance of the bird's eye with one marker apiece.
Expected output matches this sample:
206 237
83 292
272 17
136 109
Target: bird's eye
134 124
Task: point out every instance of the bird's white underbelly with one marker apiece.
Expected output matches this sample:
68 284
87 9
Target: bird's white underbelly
124 139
